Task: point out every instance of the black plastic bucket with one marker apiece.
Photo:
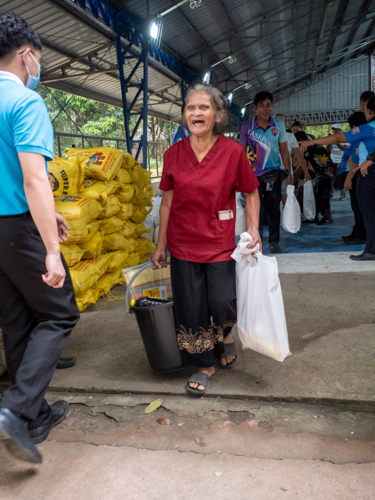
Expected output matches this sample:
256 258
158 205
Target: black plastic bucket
158 331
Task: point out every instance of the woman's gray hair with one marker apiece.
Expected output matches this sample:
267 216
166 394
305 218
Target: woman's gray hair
218 102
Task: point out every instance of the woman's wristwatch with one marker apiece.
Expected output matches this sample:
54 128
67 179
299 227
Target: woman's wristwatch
371 157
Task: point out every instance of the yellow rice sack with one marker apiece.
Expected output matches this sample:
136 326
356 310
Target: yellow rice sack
128 229
111 208
100 163
92 228
118 259
78 230
72 254
99 190
65 176
93 247
140 198
132 260
126 211
91 296
125 193
140 175
117 241
145 246
108 281
142 259
139 214
84 275
75 207
111 225
124 176
102 263
149 191
141 229
128 161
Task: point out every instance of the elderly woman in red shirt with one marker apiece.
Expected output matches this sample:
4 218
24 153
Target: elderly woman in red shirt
200 178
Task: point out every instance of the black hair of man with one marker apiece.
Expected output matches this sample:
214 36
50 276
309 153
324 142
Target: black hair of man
366 96
15 32
357 119
297 124
370 104
301 136
262 96
288 130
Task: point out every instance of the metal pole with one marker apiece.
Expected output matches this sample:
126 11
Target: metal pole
124 89
145 98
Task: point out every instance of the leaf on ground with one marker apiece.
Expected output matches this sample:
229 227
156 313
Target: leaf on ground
200 442
154 405
164 421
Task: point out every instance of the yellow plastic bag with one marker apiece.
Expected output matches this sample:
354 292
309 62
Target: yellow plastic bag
132 260
111 208
140 175
150 192
145 246
102 263
139 214
75 207
140 198
126 211
93 247
128 161
92 228
99 190
109 280
117 241
72 254
65 176
125 193
84 275
100 163
128 229
111 225
124 176
78 230
118 259
91 296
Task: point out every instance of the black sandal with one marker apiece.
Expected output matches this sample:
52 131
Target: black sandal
200 378
229 350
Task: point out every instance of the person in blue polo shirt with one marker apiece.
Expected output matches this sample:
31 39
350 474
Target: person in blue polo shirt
365 136
264 140
37 303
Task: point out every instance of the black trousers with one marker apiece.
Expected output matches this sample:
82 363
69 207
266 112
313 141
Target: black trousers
366 201
270 206
35 319
323 191
202 291
359 230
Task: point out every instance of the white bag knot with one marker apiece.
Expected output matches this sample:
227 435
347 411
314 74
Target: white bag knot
242 252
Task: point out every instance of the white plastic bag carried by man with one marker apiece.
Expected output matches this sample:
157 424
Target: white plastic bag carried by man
261 322
309 209
291 221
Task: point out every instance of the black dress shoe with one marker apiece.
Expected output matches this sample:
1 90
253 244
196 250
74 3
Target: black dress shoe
324 221
354 241
363 256
15 436
65 363
59 411
274 247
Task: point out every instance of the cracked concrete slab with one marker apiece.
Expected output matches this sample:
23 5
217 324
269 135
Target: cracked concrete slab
118 473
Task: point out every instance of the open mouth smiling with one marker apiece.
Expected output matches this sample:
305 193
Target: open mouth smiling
197 122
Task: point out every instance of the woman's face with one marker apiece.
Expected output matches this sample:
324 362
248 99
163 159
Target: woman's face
200 114
369 114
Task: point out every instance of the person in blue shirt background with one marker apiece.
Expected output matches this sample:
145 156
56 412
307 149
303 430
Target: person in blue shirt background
364 135
37 303
182 131
264 140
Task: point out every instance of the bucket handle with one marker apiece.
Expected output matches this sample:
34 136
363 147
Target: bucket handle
146 266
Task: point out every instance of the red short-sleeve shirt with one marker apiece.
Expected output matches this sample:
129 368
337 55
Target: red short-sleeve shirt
201 190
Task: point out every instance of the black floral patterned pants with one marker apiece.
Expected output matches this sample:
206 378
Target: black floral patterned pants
201 292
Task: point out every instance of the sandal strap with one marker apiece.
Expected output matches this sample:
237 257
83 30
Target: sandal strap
200 378
229 350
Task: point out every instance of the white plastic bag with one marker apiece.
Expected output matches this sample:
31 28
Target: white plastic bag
241 225
309 209
292 212
261 323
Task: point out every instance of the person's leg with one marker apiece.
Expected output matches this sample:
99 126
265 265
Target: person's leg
325 188
273 208
221 287
262 212
359 231
366 199
22 260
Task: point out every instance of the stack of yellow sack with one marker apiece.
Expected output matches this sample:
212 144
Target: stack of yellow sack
104 195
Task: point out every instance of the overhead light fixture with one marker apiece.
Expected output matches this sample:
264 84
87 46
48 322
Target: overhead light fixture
243 111
156 30
250 102
246 85
230 98
193 5
232 60
206 77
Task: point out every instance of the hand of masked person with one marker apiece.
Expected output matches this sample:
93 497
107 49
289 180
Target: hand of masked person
159 258
62 228
254 233
363 167
55 275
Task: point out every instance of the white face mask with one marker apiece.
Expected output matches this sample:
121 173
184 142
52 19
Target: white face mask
32 81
